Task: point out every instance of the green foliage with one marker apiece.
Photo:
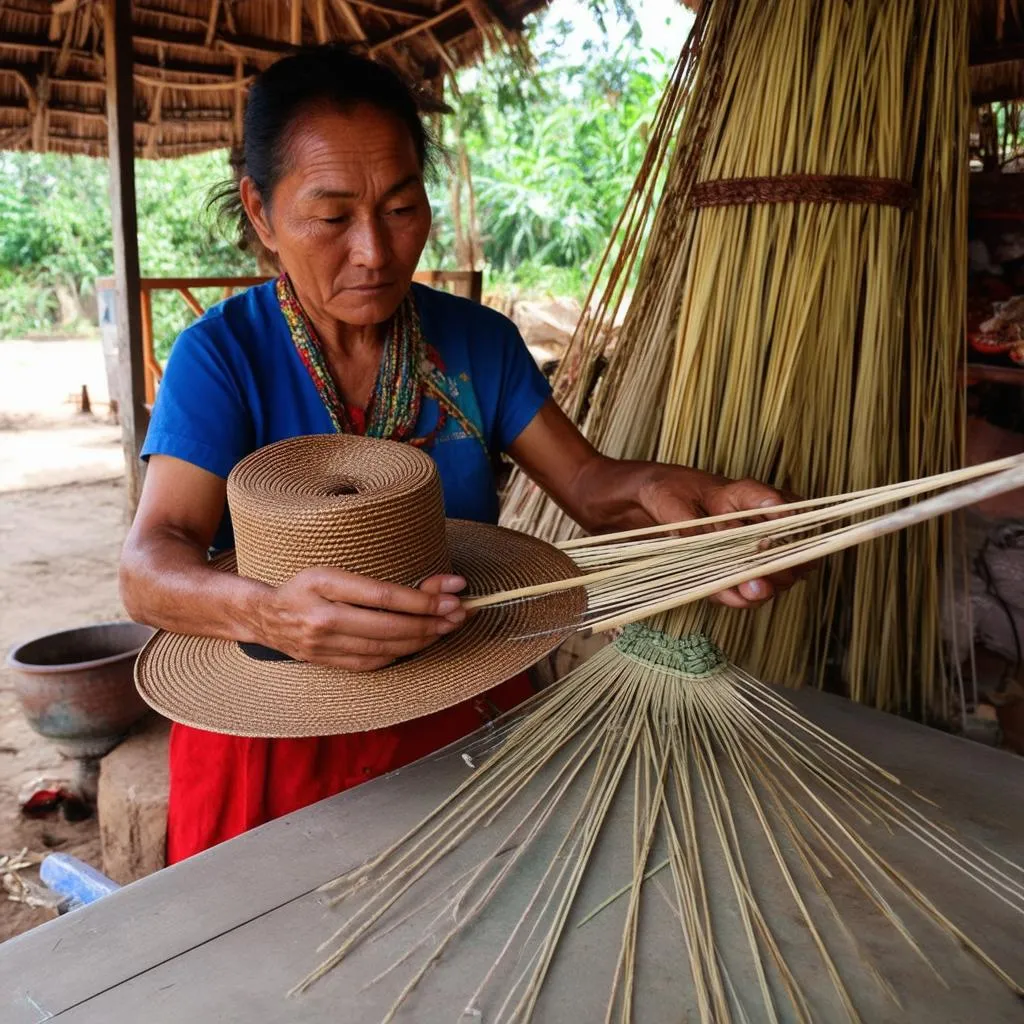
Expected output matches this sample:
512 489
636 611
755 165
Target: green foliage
55 233
179 237
26 306
553 151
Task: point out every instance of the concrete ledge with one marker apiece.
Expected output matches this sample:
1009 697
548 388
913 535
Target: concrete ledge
132 803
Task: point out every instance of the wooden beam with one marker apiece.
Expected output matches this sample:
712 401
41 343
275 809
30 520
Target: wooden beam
154 83
14 137
40 115
465 278
975 373
65 45
96 145
174 283
117 24
384 7
218 116
229 16
350 18
1010 94
38 96
153 130
28 12
89 28
148 356
198 21
1008 52
224 72
442 52
23 73
260 46
203 115
239 125
397 37
211 25
178 283
36 45
322 34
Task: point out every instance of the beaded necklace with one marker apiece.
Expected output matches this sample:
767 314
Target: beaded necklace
406 375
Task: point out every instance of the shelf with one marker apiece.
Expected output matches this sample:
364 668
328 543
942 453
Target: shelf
978 373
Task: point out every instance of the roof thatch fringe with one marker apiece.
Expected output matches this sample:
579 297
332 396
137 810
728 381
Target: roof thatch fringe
194 60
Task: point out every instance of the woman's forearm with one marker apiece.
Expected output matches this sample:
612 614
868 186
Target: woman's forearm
604 494
323 615
167 582
618 494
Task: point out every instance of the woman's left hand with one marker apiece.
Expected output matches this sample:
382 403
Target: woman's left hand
672 494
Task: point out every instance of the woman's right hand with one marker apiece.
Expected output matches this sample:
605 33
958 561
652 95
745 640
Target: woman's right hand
331 617
322 615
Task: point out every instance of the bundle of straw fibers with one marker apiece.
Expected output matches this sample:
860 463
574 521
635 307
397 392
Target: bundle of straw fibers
819 341
812 317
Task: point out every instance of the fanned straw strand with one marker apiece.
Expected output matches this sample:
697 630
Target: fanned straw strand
747 824
627 579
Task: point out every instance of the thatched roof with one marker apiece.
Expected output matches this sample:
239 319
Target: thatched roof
997 50
195 58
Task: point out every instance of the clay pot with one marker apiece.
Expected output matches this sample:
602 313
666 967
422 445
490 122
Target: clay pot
77 687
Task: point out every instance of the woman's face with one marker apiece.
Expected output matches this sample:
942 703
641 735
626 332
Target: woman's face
349 217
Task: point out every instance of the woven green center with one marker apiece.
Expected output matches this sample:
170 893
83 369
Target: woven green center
690 655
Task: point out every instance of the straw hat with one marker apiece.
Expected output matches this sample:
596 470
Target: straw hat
376 508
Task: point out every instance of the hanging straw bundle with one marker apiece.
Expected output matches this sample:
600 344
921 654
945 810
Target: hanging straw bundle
823 312
812 322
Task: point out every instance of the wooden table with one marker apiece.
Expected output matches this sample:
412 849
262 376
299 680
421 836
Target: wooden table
223 936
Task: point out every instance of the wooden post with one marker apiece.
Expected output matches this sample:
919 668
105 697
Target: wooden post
117 48
239 119
148 355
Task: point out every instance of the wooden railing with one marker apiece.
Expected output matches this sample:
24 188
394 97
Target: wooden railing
467 283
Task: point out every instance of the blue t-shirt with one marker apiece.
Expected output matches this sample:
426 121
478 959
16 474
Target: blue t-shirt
235 382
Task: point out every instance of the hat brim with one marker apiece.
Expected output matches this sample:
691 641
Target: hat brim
214 685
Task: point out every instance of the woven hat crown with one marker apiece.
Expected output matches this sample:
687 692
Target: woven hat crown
364 505
372 507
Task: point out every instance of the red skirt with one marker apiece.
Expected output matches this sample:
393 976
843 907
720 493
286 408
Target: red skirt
222 786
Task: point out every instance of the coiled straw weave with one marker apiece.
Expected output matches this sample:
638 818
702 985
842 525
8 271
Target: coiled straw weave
376 508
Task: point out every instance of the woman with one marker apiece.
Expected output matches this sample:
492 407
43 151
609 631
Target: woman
333 187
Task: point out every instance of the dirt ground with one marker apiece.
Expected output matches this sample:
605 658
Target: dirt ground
61 526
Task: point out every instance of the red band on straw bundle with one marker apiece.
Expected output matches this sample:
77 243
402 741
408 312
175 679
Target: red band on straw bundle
804 188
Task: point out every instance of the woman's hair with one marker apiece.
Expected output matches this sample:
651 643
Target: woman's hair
328 75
